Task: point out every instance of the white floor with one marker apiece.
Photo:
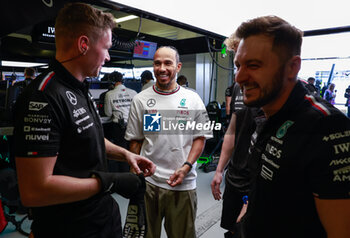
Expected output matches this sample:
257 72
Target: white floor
208 214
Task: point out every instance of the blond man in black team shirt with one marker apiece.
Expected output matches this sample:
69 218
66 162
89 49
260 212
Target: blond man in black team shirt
60 146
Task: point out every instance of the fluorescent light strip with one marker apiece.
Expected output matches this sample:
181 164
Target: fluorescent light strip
127 18
20 64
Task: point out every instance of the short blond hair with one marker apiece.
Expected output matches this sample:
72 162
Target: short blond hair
76 19
232 42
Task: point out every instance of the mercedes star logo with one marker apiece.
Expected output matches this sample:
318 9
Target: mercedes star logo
48 3
151 102
71 97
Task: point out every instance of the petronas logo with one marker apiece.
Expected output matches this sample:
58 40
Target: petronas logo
283 129
183 102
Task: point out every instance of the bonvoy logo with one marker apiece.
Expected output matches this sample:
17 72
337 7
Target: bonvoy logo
36 106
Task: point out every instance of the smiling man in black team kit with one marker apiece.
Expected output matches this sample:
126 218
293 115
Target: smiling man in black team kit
60 146
302 188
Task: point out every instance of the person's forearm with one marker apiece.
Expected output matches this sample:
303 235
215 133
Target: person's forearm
39 187
228 102
59 189
228 145
135 146
196 150
334 215
226 152
115 152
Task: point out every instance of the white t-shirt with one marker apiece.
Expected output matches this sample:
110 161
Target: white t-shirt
192 89
117 103
148 84
167 147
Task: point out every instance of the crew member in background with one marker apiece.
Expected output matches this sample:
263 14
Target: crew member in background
311 87
146 79
330 94
236 158
101 99
228 98
347 96
182 81
29 75
116 106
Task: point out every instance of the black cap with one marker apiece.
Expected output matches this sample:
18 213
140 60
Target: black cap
146 75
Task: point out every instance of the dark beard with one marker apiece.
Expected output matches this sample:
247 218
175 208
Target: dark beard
269 96
165 86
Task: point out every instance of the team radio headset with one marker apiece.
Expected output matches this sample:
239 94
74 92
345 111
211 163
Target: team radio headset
84 47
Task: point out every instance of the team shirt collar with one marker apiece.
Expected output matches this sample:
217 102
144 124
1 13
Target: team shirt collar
67 77
161 92
293 102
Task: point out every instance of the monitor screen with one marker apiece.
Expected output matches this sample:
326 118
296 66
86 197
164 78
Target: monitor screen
144 49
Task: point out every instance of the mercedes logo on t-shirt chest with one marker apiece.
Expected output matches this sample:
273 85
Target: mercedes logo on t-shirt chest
72 98
151 102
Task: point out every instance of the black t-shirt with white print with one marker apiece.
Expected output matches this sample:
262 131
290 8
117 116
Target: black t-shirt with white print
56 116
304 153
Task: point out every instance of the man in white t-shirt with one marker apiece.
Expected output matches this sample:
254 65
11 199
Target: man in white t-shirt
165 126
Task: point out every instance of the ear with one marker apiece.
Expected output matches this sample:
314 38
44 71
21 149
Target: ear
83 44
178 67
293 68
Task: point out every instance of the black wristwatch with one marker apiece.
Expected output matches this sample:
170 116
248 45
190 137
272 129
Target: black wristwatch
188 163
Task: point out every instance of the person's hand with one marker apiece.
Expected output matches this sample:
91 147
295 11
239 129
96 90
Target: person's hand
178 176
125 184
215 185
135 222
141 164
